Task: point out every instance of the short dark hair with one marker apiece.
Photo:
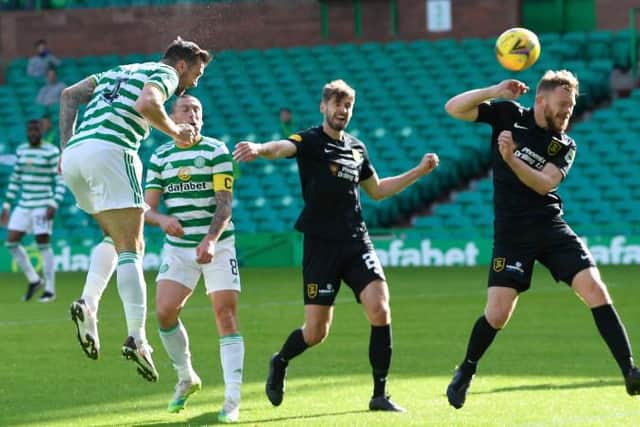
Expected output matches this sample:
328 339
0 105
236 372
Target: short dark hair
185 50
33 121
560 78
337 88
39 42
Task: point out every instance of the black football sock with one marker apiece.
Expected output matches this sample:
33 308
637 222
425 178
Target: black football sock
380 349
482 336
293 346
613 332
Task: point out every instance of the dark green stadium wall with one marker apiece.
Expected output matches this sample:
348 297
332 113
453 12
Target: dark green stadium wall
559 16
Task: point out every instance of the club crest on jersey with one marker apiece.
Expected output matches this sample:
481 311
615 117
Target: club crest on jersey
499 263
184 173
554 147
312 290
199 162
357 156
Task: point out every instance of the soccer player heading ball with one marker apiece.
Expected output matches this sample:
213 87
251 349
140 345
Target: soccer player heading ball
101 167
531 155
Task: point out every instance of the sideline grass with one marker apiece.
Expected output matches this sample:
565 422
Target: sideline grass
548 368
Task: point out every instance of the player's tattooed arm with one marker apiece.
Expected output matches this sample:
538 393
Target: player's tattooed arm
222 216
70 101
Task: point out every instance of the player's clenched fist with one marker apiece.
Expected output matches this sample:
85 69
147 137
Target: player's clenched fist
510 89
187 135
506 144
428 163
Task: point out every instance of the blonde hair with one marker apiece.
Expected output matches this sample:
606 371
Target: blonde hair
559 78
338 88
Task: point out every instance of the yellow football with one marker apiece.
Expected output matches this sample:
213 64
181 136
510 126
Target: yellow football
517 49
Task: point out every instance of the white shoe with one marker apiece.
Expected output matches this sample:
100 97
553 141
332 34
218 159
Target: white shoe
230 412
140 353
184 390
87 328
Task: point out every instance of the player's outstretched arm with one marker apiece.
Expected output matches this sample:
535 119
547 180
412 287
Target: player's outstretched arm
167 223
542 181
378 188
150 105
465 105
246 151
71 99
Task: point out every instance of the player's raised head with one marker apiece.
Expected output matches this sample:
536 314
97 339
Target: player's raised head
556 97
188 59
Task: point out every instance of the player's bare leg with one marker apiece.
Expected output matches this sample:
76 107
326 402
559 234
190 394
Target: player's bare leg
124 226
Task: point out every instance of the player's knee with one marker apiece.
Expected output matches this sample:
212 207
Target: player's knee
166 314
380 314
316 334
226 318
596 293
498 318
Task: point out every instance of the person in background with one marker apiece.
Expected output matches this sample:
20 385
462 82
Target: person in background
287 124
43 60
35 190
49 94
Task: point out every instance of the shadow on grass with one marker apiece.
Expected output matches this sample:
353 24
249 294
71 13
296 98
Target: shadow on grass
550 386
212 418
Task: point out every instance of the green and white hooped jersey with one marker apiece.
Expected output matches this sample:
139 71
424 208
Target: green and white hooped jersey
188 179
35 181
110 115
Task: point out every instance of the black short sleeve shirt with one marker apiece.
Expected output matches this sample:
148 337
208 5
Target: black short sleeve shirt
514 202
330 172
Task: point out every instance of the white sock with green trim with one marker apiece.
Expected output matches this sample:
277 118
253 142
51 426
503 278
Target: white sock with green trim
176 342
133 293
22 259
48 268
232 360
104 259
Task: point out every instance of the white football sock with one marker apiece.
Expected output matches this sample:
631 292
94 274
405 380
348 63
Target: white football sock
22 259
133 293
176 342
48 268
104 259
232 360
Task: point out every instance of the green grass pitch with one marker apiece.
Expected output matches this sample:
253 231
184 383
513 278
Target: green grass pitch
549 367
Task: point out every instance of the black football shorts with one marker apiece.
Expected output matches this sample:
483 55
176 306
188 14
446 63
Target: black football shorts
555 245
326 263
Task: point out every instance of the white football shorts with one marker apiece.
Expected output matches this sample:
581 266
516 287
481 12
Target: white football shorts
30 221
179 265
103 176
